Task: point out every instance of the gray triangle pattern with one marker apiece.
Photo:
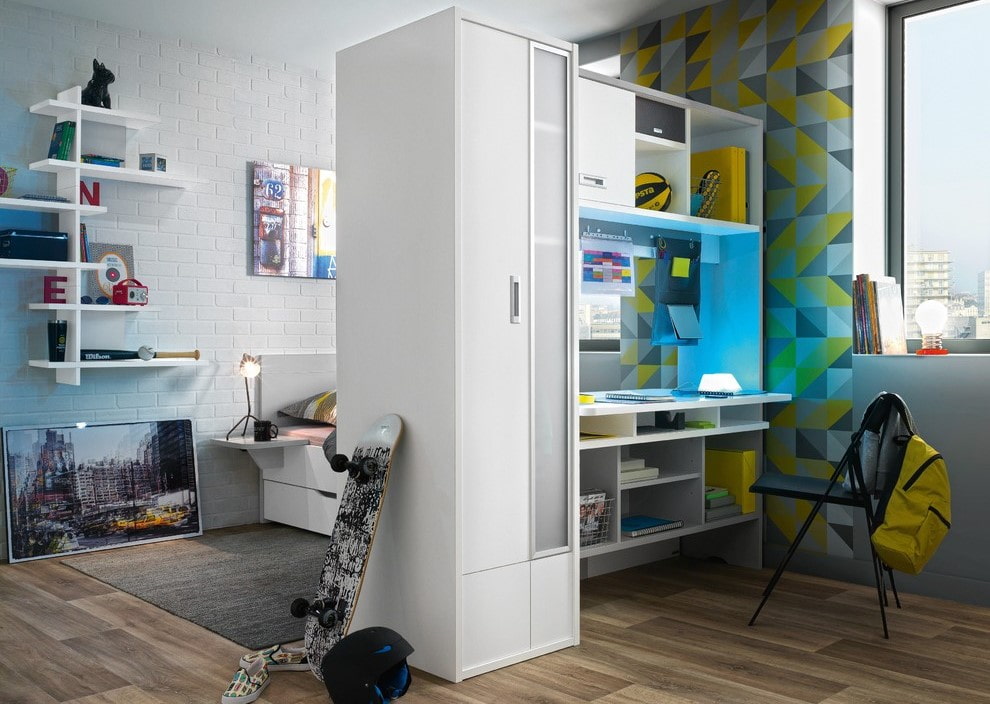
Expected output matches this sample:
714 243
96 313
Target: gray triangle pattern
839 72
753 62
840 12
752 8
758 36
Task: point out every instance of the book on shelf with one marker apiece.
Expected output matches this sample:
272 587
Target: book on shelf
101 160
715 492
83 243
713 514
118 265
639 474
878 316
720 501
639 396
736 471
636 525
61 142
631 463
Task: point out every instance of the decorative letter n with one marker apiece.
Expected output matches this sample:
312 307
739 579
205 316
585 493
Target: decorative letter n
91 198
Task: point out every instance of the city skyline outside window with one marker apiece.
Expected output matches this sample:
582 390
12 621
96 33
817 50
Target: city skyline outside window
946 247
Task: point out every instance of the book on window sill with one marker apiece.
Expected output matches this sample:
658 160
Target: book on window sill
639 396
637 525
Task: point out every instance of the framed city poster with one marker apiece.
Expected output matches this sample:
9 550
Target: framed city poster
294 230
78 487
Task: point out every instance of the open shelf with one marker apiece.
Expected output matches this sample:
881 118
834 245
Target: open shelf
66 110
47 206
625 543
46 264
662 220
92 307
116 173
118 363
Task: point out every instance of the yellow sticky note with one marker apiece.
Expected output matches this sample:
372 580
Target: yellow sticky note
680 267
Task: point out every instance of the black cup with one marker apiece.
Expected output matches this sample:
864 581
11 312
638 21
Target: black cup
57 331
264 430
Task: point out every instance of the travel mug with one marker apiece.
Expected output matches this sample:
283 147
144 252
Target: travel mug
57 331
264 430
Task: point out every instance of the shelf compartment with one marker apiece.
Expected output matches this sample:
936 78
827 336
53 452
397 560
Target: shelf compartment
114 173
45 264
669 478
92 307
47 206
687 530
646 143
66 110
118 363
663 220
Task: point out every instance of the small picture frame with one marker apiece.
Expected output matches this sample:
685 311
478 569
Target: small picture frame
153 162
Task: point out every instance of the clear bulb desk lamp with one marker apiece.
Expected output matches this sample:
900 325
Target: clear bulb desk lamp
248 368
931 317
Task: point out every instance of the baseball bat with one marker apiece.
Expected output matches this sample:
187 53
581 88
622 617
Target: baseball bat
104 355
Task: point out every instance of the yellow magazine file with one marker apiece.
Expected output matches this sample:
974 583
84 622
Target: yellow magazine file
730 162
736 471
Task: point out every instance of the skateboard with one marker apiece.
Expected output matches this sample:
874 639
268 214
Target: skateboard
328 616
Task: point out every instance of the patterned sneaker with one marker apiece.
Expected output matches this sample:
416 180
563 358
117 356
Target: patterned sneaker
247 684
279 658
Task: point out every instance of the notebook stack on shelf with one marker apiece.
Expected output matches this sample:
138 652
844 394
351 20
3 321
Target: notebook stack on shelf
636 526
720 503
634 469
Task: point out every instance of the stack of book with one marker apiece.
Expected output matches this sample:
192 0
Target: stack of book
101 160
62 137
634 469
878 316
635 526
720 503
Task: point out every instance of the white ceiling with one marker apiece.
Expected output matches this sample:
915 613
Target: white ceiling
309 32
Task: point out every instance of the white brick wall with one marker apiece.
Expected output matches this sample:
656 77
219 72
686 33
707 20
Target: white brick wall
220 110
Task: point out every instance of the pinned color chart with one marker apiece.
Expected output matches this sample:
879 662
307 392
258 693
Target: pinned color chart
607 267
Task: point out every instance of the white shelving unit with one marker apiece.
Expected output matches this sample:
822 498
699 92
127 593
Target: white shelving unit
88 325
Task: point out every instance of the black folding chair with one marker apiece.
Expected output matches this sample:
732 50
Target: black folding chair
878 444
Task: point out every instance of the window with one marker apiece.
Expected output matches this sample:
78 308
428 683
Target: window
939 170
599 323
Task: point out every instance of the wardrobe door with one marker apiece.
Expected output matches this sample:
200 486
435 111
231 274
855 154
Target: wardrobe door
494 311
550 275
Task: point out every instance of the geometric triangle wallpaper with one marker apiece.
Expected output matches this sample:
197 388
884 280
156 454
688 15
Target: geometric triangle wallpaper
788 63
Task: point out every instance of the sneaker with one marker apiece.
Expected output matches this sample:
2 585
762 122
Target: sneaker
278 658
247 684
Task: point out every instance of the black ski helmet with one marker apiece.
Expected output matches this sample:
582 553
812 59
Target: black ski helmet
367 667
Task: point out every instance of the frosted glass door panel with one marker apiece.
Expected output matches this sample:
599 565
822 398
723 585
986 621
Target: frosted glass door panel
551 221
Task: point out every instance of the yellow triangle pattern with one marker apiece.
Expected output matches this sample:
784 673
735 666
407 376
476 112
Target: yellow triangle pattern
729 71
805 11
629 42
746 29
747 97
787 288
642 302
788 59
643 57
644 372
703 79
836 296
778 15
828 41
837 109
836 222
630 355
678 29
786 240
806 194
806 255
818 163
806 146
703 52
704 23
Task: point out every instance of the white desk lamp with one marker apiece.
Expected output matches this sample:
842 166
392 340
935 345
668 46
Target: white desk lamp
931 317
249 368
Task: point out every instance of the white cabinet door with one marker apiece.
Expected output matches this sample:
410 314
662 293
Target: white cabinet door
606 145
552 600
494 320
496 615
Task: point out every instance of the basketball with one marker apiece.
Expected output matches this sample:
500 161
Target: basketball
652 191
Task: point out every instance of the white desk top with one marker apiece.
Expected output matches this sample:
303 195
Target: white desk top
248 442
680 403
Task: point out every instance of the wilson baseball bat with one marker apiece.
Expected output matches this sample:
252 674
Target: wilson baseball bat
144 352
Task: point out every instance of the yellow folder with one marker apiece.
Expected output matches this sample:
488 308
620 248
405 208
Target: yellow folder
730 162
736 471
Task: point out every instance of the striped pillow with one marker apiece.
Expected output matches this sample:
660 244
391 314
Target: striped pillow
321 407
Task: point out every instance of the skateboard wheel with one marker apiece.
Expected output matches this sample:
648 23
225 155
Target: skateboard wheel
299 608
365 469
327 618
338 463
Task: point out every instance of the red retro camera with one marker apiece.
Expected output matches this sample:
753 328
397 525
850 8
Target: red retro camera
130 292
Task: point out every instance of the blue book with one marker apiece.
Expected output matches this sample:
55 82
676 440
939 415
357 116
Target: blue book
636 525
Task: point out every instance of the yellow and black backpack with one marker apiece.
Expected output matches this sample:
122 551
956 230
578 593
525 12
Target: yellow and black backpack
915 514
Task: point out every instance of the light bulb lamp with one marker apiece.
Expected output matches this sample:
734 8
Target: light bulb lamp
249 369
931 317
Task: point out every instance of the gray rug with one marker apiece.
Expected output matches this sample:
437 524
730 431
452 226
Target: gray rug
235 582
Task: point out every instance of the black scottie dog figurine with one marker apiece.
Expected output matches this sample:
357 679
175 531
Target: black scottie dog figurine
95 93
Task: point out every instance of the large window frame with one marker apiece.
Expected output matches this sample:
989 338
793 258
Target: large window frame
896 17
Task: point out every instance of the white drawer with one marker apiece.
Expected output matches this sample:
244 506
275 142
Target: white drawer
303 508
304 466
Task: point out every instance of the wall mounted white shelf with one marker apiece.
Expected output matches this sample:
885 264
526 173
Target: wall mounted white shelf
687 224
102 323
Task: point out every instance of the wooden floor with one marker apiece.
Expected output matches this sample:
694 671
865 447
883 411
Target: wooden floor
671 632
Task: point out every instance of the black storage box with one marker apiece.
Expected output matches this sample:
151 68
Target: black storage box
34 244
660 120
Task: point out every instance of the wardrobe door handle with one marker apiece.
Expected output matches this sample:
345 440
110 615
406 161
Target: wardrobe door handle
591 180
514 300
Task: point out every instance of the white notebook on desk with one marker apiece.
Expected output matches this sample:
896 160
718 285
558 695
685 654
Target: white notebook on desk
639 395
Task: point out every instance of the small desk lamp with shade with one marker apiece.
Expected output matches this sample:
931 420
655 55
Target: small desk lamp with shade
931 317
249 368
